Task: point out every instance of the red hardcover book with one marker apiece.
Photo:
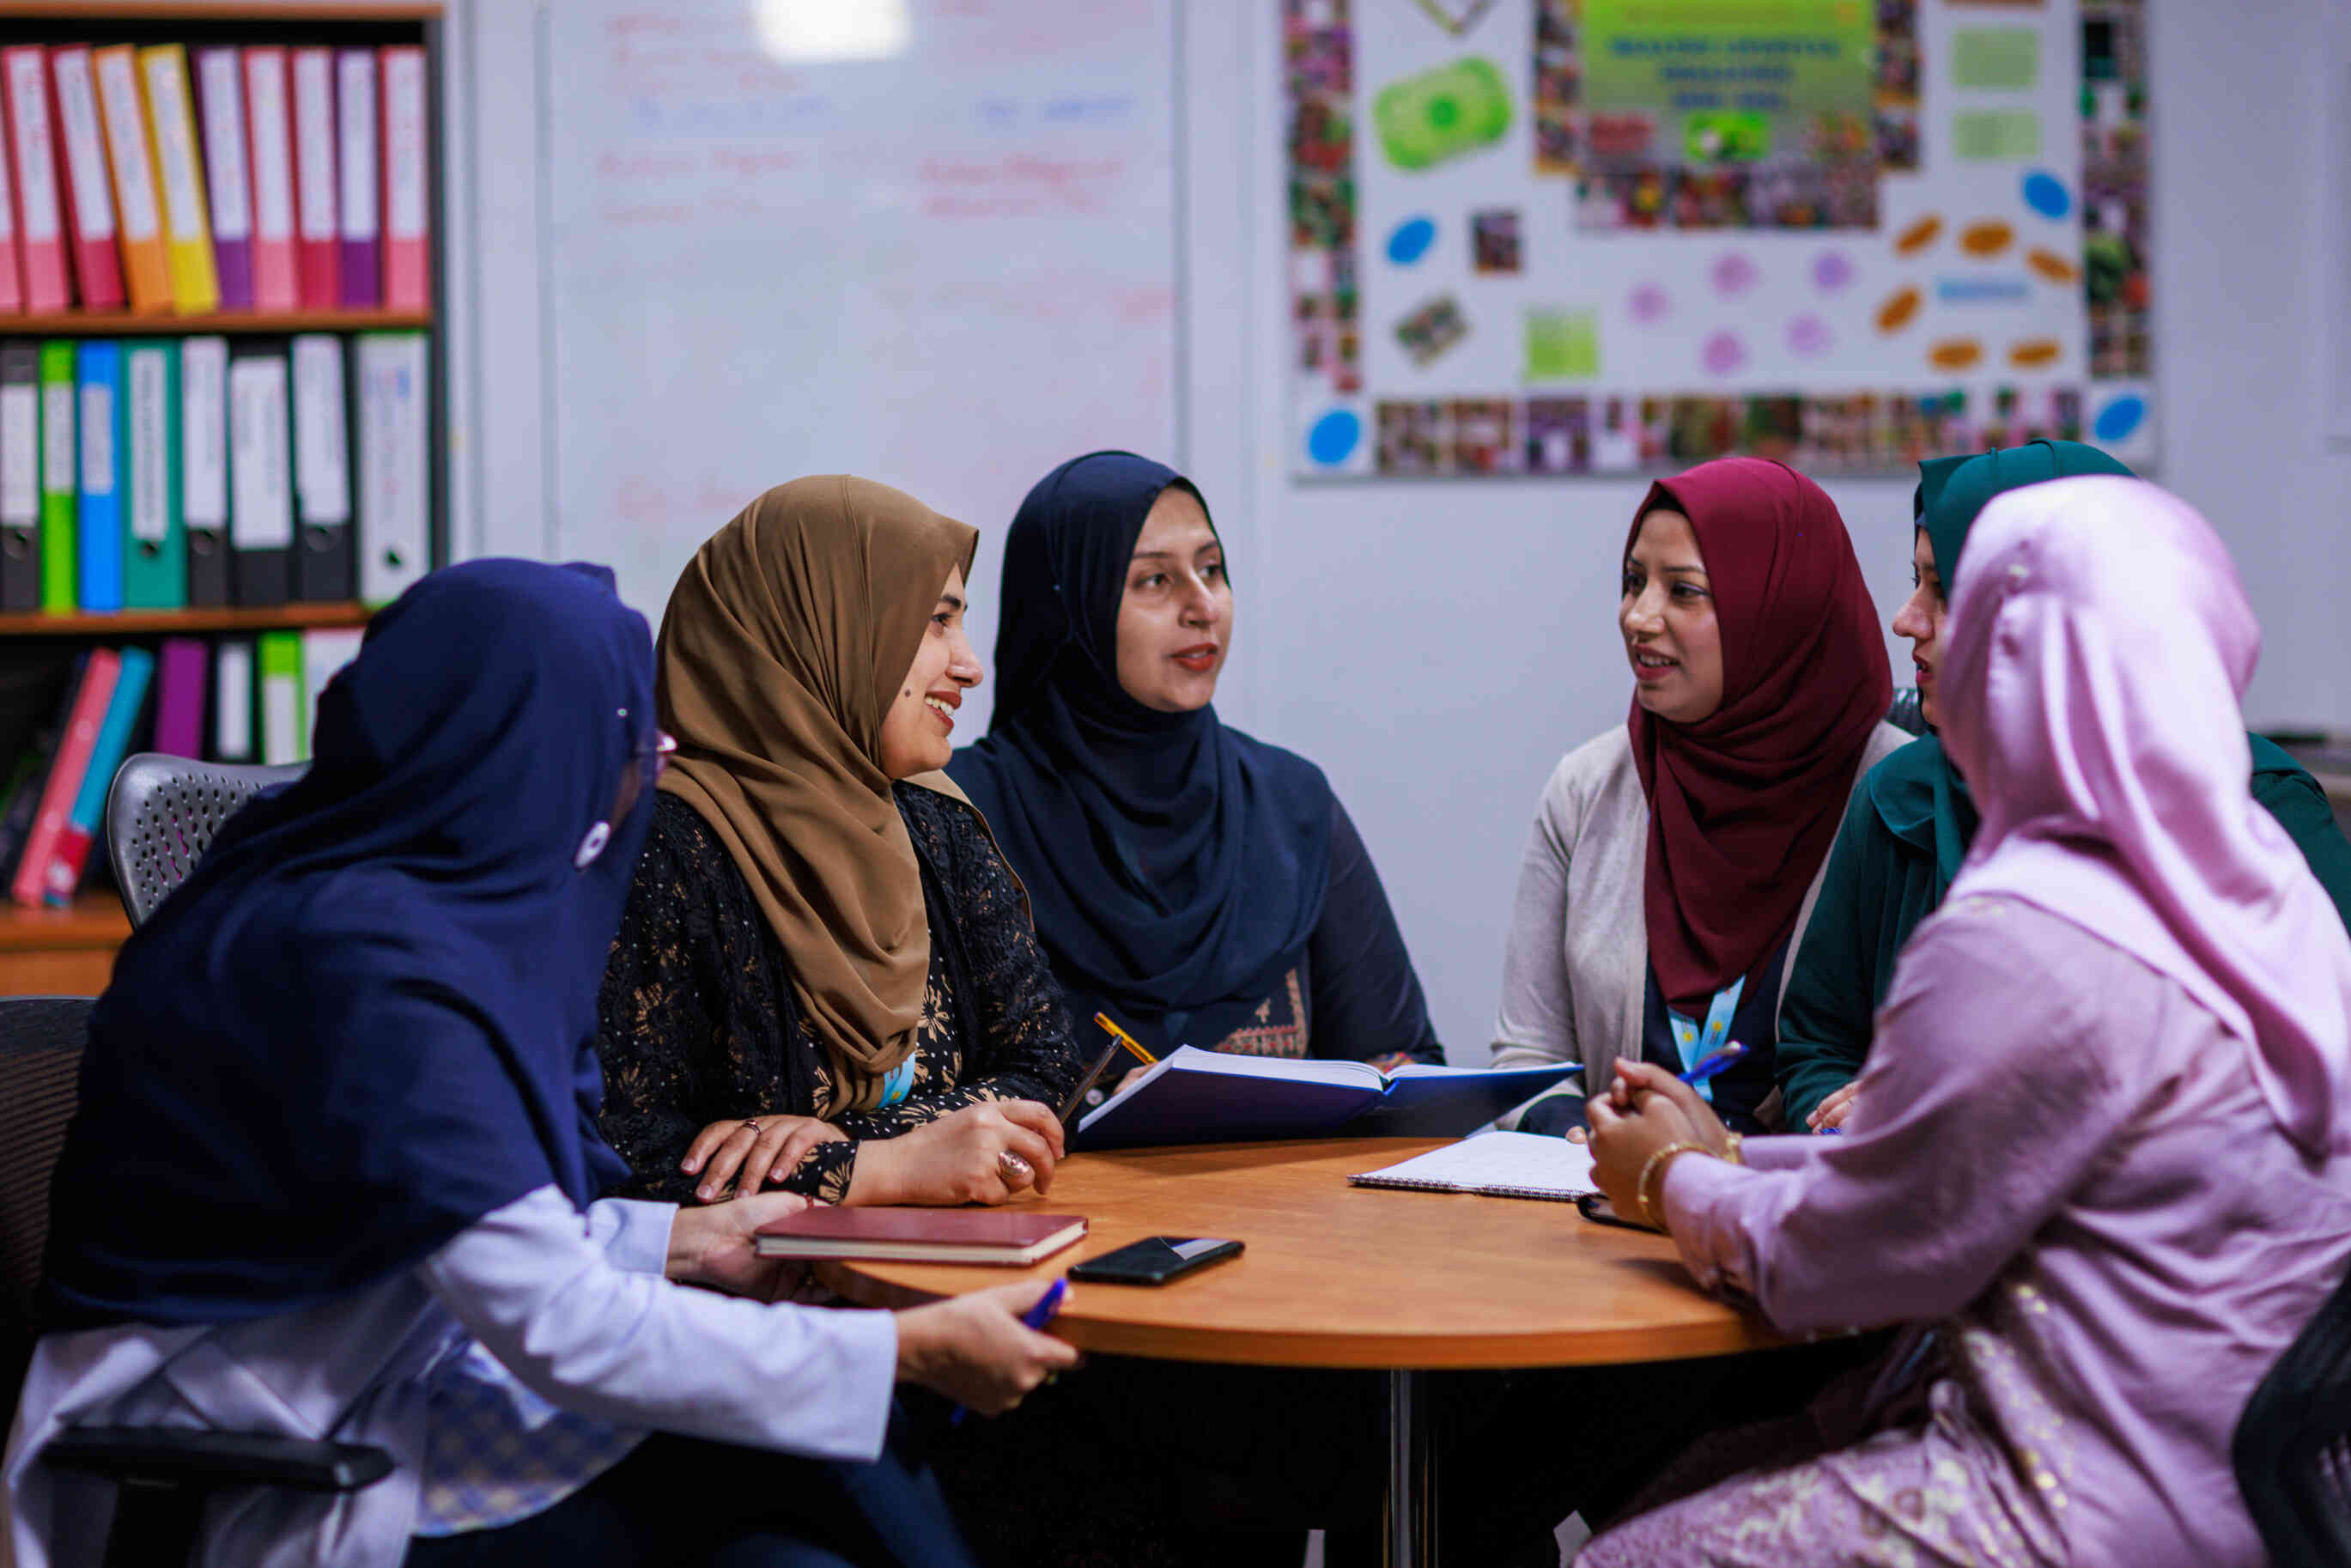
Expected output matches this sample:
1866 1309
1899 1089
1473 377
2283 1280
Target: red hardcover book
1009 1236
89 704
32 138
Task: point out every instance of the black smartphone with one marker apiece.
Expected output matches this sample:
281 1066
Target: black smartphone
1155 1259
1596 1209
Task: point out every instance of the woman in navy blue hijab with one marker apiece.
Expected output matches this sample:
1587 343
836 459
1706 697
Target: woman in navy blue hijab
334 1168
1199 886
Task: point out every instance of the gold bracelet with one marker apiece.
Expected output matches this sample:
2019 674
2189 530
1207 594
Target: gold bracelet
1732 1149
1662 1157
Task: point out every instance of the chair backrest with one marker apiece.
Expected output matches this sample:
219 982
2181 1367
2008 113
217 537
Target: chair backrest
162 812
2293 1445
40 1057
1905 712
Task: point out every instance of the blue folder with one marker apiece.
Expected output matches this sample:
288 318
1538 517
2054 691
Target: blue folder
98 365
1205 1097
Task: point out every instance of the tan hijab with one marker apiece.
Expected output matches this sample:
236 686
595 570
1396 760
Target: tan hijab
783 647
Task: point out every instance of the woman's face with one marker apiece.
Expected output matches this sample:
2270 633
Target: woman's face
1176 620
1666 614
918 730
1920 618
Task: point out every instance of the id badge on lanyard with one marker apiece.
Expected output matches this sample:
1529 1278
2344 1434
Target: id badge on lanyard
1697 1043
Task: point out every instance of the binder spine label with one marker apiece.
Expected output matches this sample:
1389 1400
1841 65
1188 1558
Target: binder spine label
273 152
224 145
57 437
37 160
233 700
403 152
263 516
203 431
96 439
321 465
314 143
85 159
126 140
355 139
151 501
20 438
183 198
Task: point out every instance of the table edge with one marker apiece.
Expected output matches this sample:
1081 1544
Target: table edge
1744 1332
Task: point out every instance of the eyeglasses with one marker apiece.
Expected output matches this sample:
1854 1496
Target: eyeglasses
647 764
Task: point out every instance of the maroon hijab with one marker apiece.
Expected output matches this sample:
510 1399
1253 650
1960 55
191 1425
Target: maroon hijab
1744 803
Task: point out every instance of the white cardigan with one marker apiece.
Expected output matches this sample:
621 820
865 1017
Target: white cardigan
1576 968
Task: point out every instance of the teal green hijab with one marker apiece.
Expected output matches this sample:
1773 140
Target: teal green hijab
1916 791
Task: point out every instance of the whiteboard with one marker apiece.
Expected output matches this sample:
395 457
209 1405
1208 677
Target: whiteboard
930 242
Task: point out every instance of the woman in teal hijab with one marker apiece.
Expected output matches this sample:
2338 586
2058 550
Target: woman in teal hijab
1911 822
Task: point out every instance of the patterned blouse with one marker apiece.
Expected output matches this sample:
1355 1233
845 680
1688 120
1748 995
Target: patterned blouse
698 1021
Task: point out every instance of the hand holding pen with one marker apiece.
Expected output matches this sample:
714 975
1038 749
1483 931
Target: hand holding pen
991 1399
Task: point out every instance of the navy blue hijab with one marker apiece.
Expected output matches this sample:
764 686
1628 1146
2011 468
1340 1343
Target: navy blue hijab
1177 867
368 1018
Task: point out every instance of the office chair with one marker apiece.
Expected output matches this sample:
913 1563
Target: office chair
2293 1445
162 1475
161 813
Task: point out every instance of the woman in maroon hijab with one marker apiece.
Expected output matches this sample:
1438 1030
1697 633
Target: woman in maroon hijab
1674 858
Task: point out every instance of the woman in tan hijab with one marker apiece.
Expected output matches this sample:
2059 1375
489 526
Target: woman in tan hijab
826 981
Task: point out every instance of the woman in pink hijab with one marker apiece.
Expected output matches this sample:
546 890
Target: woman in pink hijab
2102 1148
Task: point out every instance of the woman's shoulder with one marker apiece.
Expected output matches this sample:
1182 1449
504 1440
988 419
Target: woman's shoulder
685 864
1299 771
1599 767
937 819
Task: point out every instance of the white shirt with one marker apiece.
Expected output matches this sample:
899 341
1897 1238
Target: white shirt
572 1305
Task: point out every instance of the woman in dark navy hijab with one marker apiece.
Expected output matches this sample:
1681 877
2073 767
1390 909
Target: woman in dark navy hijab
1200 886
332 1176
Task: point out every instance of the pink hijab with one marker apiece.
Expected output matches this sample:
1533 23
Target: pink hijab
2100 643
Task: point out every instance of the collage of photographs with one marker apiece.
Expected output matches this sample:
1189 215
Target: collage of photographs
1625 169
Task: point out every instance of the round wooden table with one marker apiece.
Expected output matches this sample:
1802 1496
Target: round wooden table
1343 1276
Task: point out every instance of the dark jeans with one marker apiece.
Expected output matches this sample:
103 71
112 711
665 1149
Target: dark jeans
692 1504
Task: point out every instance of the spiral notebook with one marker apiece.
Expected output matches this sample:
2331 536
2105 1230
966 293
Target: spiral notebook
1495 1165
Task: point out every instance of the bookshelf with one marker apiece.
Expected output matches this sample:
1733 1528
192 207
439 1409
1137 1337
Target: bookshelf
70 951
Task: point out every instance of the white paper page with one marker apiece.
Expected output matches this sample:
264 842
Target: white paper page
1526 1161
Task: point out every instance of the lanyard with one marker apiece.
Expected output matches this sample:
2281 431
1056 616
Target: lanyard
1695 1043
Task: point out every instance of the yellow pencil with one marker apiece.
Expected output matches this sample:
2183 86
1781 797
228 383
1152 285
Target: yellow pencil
1125 1038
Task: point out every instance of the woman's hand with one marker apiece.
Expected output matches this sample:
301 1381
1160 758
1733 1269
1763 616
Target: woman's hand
713 1247
753 1151
975 1350
962 1156
1646 1109
1836 1110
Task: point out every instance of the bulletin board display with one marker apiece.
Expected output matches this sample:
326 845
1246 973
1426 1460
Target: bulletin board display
1560 236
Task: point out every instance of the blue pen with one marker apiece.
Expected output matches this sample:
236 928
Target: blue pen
1712 1062
1036 1317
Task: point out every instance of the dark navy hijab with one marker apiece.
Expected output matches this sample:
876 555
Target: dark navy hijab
1175 866
368 1018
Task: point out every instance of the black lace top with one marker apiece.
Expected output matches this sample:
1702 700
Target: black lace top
697 1018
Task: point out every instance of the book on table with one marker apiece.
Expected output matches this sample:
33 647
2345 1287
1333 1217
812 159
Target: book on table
1495 1165
1010 1238
1192 1096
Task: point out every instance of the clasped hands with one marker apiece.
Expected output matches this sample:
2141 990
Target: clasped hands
1645 1113
978 1154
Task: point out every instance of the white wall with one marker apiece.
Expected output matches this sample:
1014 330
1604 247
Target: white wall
1436 645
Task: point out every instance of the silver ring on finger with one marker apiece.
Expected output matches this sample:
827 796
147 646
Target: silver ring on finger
750 1127
1016 1172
